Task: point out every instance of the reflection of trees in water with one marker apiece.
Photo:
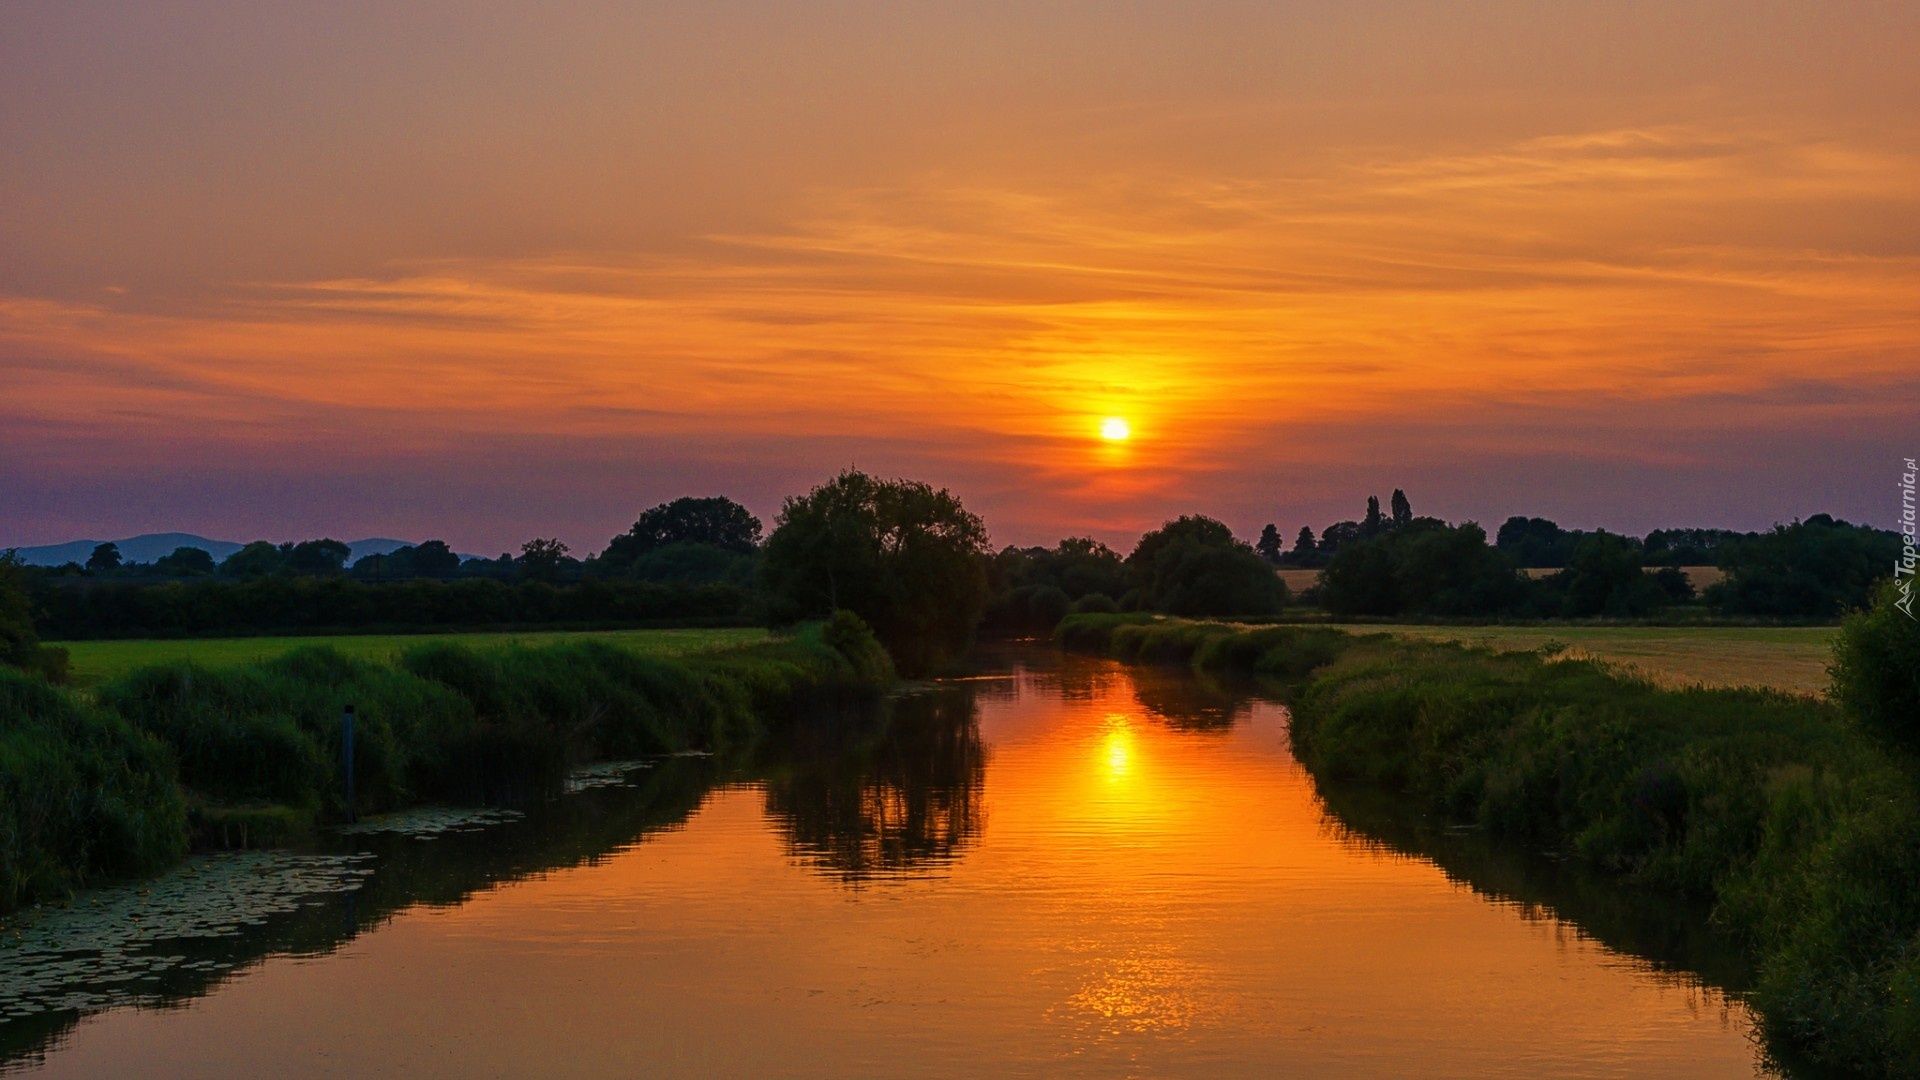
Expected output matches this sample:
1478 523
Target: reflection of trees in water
1191 703
906 803
446 872
1672 934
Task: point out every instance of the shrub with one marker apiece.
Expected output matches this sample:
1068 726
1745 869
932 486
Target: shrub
1876 670
82 795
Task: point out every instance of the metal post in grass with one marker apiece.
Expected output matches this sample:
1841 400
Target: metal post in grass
346 750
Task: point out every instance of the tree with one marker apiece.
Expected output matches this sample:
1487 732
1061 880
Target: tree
1303 545
1402 509
1876 667
316 557
258 559
1373 525
1536 542
19 640
540 560
1428 567
1194 565
105 557
1815 568
904 556
1269 545
1606 576
717 521
185 562
433 558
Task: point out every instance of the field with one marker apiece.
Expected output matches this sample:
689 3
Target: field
1790 658
95 661
1699 576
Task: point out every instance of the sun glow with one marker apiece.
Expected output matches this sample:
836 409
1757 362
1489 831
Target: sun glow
1115 429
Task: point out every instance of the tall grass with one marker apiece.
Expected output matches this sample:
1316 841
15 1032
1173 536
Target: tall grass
92 788
1786 813
82 794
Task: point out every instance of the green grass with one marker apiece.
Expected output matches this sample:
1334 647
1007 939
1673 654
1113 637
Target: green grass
221 749
95 662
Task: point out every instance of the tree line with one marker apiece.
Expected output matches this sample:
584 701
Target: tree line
916 565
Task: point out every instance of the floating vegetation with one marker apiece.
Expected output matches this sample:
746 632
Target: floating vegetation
116 946
605 774
428 822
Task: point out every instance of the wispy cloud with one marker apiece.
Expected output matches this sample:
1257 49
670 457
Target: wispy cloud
1523 291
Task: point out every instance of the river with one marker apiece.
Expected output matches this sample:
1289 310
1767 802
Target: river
1057 867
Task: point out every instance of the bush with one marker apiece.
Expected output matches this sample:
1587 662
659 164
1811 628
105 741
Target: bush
82 795
1876 670
1094 604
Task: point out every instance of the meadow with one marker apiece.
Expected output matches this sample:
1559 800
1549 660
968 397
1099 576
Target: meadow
1789 658
95 662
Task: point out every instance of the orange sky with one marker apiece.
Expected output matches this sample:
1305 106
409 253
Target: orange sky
484 271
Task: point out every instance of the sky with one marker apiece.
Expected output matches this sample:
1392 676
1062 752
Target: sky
488 271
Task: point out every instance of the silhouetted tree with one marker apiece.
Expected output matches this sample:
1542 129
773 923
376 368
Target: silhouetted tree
904 556
1303 545
258 559
718 521
327 556
19 641
1402 509
1815 568
1536 542
1373 524
105 557
540 560
1194 565
1605 577
184 562
433 558
1428 567
1269 544
1078 567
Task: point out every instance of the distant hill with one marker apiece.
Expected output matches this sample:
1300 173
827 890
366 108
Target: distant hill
144 548
147 547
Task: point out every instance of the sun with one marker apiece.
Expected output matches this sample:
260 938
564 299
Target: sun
1115 429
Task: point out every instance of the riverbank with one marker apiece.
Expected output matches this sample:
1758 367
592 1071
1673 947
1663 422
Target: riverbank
121 781
1802 832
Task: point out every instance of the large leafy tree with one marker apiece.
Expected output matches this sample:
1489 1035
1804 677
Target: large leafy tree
1195 566
1428 567
257 559
104 557
326 556
717 521
905 556
185 562
1815 568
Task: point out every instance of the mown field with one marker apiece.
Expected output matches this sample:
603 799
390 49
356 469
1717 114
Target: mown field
97 661
1790 658
1700 576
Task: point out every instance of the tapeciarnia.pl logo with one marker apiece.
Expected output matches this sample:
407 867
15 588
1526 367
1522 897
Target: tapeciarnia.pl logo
1903 566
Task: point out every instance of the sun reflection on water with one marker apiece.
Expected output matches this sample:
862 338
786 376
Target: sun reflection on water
1117 747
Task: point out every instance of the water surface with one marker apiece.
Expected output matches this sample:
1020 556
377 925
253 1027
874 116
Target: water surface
1062 867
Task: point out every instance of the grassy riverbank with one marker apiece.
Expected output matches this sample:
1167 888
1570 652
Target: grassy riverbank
1802 830
117 782
95 662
